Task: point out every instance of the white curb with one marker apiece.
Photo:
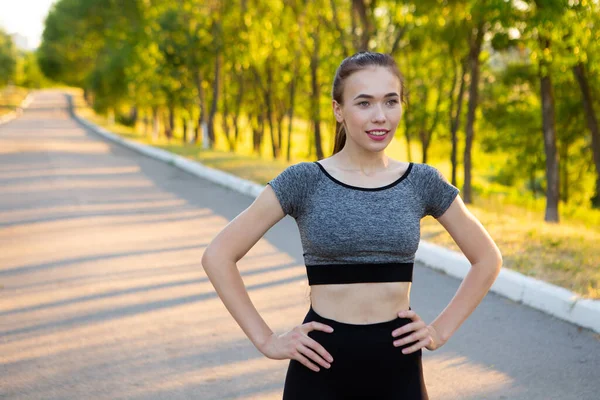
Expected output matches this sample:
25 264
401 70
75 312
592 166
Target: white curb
554 300
14 114
551 299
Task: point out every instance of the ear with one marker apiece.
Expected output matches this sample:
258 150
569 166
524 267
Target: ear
337 111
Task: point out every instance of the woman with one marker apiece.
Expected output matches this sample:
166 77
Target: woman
359 214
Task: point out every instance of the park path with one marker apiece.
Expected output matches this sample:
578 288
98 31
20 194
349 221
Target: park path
102 295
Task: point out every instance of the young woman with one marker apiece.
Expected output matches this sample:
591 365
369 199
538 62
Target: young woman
359 214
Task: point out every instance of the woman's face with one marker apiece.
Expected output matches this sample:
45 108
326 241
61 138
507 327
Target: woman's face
371 107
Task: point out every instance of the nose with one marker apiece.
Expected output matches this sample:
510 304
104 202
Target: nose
378 114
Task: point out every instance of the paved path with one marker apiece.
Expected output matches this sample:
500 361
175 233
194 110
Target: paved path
102 295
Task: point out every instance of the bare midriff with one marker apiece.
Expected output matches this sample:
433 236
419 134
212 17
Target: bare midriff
361 303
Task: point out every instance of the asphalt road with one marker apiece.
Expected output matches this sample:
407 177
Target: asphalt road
102 295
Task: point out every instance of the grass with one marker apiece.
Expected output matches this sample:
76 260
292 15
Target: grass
10 98
565 254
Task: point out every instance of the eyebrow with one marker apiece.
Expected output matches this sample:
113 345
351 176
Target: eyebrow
368 96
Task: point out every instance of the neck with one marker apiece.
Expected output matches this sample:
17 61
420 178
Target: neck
354 158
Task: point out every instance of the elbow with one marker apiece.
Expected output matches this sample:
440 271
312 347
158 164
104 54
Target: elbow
498 261
208 258
212 257
490 264
495 263
497 269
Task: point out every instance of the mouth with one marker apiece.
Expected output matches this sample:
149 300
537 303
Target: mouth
378 134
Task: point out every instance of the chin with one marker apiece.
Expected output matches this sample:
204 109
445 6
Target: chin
377 145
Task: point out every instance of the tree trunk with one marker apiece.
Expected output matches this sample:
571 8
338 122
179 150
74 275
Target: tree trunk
215 98
592 123
238 108
225 117
280 130
185 130
316 96
455 117
532 182
339 28
133 115
257 131
355 39
280 117
424 144
269 101
475 50
202 131
549 130
171 121
426 134
155 126
359 7
146 123
291 113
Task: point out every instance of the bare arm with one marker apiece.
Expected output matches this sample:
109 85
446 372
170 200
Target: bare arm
227 248
486 261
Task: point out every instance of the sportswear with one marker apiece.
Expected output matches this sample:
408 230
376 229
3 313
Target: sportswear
353 234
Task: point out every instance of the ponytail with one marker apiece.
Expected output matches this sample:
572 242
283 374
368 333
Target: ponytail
340 138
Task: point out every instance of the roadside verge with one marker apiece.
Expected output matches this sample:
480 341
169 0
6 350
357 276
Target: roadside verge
14 114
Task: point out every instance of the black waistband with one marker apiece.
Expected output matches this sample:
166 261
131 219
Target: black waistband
330 274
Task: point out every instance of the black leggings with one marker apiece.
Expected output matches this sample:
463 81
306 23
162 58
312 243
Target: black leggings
366 365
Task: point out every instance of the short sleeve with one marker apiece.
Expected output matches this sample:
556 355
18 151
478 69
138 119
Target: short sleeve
438 193
291 188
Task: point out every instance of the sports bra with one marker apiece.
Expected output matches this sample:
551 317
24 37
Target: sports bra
353 234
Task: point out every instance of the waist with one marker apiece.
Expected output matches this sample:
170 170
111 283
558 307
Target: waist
331 274
361 303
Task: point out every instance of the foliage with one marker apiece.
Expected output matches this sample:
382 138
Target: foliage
246 70
8 58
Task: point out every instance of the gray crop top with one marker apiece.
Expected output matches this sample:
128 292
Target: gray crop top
353 234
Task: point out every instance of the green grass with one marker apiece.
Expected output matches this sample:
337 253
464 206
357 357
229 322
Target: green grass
565 254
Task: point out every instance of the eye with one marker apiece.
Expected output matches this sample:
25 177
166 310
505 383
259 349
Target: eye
392 102
363 103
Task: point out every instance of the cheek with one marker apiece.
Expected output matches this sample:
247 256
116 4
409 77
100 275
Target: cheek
395 115
357 120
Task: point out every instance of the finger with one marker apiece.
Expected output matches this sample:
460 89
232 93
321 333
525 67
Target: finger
409 314
304 361
316 346
413 326
417 346
311 355
415 336
317 326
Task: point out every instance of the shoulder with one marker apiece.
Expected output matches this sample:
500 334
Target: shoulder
302 170
304 167
424 168
299 175
426 171
293 185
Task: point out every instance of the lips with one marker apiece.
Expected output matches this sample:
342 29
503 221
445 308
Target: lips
378 131
378 134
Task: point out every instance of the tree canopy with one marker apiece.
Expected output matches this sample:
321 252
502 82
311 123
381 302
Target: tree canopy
513 79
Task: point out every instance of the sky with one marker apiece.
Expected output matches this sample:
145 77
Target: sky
25 17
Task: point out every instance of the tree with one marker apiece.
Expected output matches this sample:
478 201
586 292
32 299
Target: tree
8 58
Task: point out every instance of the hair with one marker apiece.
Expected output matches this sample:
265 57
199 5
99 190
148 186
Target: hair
354 63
